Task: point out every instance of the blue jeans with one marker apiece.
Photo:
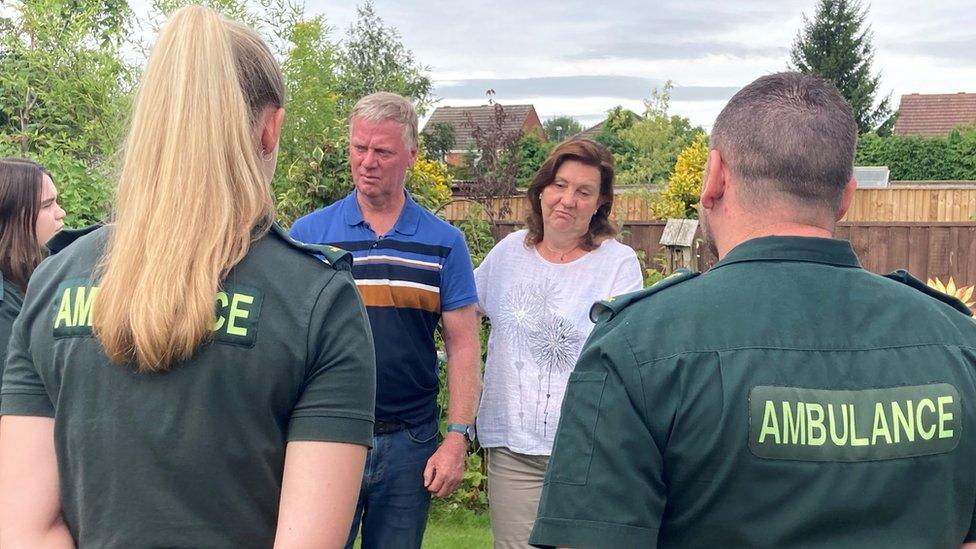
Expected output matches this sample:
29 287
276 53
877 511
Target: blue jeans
393 502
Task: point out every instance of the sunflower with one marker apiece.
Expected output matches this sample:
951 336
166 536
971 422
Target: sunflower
962 293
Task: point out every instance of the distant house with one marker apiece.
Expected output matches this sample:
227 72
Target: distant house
934 114
517 117
593 131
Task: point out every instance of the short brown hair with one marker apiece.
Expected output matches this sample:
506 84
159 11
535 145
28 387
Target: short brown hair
586 152
20 202
789 134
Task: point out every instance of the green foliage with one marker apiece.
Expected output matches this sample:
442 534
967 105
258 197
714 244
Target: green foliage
649 146
313 168
532 153
64 90
477 233
451 526
440 140
429 183
374 59
679 199
561 127
914 158
836 45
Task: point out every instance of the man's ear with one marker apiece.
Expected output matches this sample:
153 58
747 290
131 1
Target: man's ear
713 188
847 199
272 120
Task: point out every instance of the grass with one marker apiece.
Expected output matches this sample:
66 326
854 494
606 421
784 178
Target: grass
455 528
449 528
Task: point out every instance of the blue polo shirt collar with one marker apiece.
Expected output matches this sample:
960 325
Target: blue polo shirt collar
406 224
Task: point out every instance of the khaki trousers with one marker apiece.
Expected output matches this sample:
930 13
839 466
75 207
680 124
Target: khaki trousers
514 487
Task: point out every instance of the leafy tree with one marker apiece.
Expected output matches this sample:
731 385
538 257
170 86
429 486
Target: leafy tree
836 45
561 127
313 167
374 59
680 198
652 143
63 93
618 119
532 152
440 140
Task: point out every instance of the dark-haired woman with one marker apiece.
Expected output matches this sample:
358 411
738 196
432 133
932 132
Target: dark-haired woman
29 217
187 375
537 286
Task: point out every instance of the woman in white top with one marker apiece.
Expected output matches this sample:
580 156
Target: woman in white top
537 286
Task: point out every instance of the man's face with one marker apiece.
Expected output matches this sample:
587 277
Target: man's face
707 236
378 157
705 213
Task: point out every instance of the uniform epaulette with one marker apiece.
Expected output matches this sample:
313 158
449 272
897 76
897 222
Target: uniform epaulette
907 279
66 237
608 308
338 258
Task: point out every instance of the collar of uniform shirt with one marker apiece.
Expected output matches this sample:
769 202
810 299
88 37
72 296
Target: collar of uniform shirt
793 248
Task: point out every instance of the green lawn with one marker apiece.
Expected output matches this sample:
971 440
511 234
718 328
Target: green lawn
455 529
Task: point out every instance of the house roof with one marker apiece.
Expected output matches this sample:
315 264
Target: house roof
515 116
934 114
591 132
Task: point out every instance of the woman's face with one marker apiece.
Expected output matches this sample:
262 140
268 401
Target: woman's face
569 202
50 218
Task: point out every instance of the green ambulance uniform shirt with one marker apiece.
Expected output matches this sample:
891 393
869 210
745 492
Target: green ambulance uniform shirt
10 303
193 457
785 398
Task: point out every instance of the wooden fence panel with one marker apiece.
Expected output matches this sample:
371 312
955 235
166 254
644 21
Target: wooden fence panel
927 250
926 203
902 204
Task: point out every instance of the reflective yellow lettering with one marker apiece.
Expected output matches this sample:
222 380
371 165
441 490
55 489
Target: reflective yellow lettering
237 312
880 428
793 431
83 305
924 403
944 417
64 311
903 421
223 301
837 440
815 424
855 441
770 426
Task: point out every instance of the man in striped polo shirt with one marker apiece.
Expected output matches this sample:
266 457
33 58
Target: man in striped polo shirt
413 270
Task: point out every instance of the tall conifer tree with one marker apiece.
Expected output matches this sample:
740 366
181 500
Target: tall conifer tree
836 45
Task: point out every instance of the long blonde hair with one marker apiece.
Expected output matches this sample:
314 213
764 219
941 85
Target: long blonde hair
192 195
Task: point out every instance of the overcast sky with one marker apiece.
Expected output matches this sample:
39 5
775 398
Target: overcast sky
581 58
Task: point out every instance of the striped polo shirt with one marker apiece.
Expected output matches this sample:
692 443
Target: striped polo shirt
406 278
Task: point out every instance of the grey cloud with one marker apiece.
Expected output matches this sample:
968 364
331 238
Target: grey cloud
957 50
676 50
629 87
